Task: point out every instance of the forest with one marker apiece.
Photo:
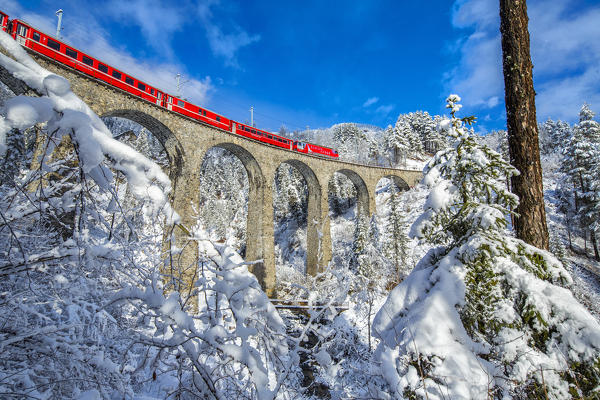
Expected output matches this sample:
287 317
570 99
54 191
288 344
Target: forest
432 297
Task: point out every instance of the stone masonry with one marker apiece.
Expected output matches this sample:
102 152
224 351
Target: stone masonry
186 141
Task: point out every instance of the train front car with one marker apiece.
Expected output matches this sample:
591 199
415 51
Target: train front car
309 148
322 151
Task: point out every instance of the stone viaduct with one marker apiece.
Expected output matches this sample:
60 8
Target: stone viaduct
186 142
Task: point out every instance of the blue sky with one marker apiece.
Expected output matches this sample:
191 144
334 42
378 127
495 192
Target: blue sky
317 63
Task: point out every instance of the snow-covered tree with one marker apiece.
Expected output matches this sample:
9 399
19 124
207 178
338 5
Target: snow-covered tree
341 194
409 134
579 161
553 136
395 241
483 313
87 313
398 141
222 180
60 256
361 242
349 140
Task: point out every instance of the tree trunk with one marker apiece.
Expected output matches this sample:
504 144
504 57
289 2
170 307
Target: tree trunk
521 121
594 244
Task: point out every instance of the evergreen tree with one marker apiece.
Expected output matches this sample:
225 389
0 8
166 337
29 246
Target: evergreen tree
554 135
360 244
341 194
482 315
350 140
409 133
397 141
395 246
579 165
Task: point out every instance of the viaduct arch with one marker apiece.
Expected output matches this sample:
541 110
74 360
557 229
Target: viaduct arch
186 142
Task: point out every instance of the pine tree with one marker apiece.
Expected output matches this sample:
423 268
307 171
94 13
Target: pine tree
554 135
394 144
579 164
395 242
360 243
482 315
410 133
398 141
349 139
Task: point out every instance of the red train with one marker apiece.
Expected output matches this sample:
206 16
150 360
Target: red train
49 46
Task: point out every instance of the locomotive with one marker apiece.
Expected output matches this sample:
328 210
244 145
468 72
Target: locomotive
49 46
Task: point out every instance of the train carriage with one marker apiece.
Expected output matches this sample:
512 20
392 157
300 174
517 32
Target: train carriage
262 136
193 111
3 21
45 44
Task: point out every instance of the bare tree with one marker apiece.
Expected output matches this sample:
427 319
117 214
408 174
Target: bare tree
522 123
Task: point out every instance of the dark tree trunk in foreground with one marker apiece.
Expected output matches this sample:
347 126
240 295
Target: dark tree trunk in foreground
522 123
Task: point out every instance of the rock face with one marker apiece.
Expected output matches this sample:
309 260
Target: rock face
186 141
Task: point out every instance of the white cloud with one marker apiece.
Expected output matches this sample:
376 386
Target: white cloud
565 53
156 21
384 110
225 45
370 101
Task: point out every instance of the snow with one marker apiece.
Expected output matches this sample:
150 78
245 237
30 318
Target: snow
66 114
237 334
424 308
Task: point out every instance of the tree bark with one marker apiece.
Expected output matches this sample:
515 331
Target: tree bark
521 122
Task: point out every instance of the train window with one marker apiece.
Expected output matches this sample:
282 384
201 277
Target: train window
116 74
218 118
101 67
36 36
128 80
204 112
87 60
180 103
53 44
151 91
270 137
253 131
141 86
21 30
70 52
